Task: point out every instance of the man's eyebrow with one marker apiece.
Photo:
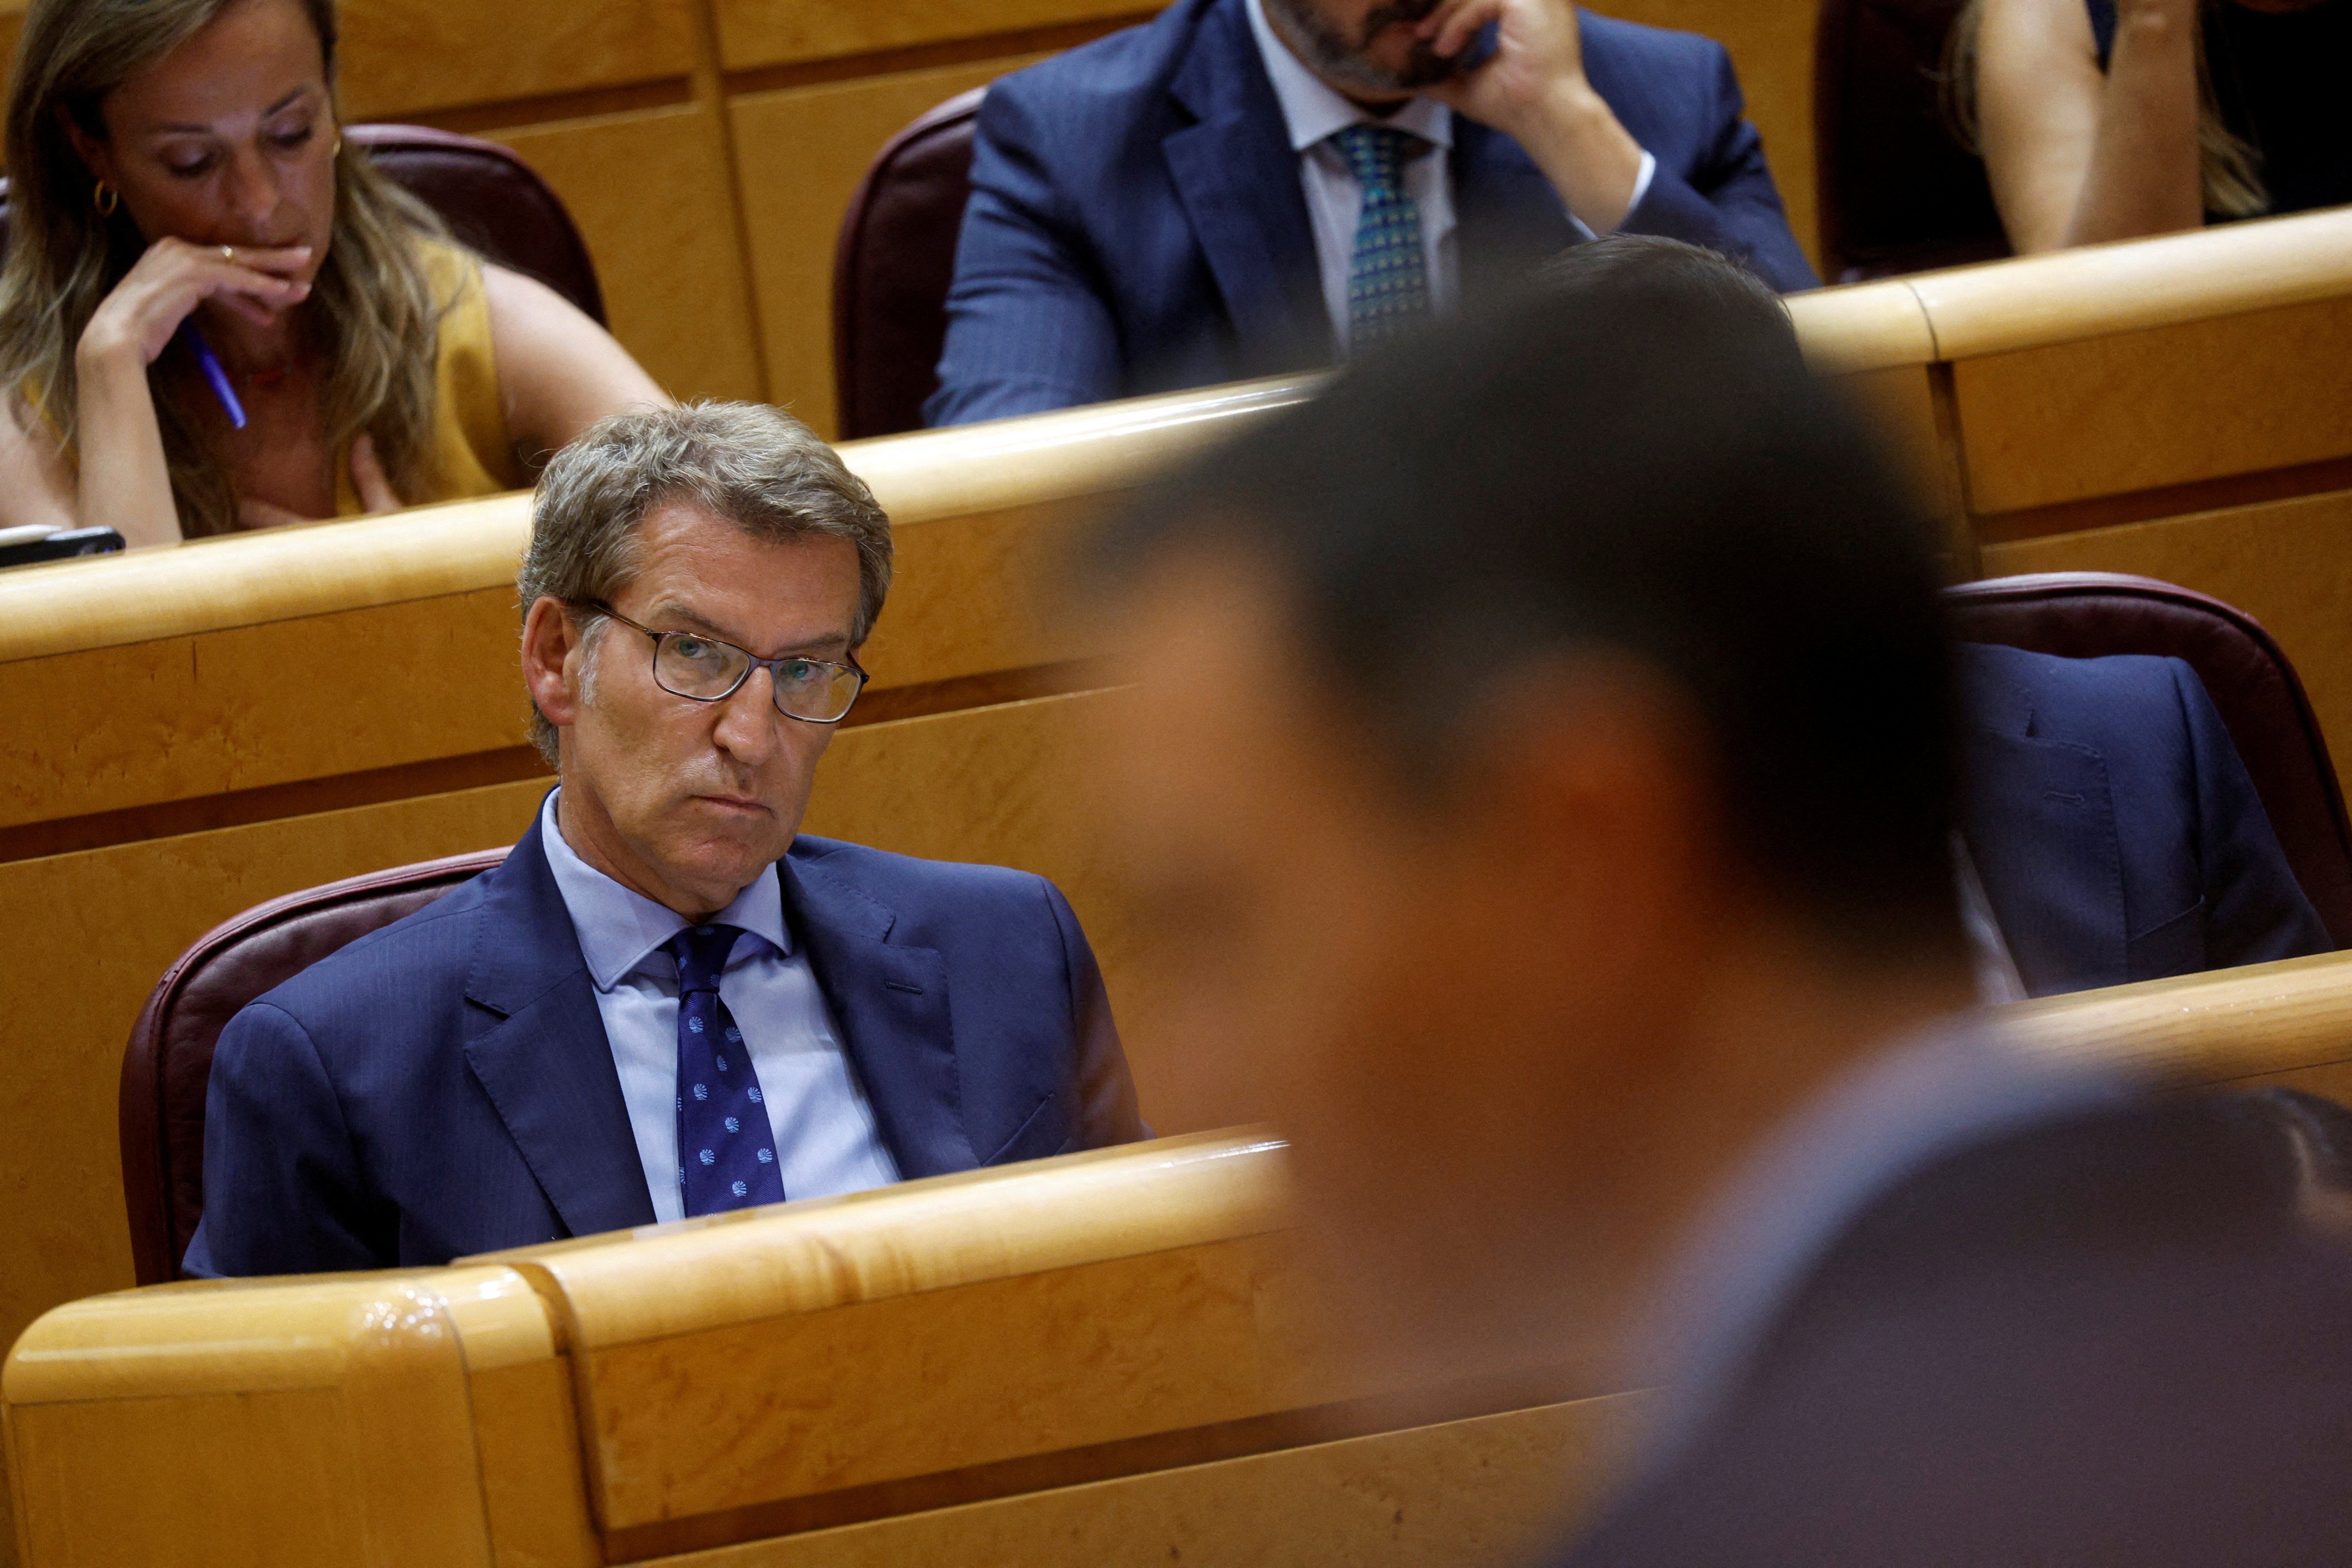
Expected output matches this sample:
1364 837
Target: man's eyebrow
179 128
683 615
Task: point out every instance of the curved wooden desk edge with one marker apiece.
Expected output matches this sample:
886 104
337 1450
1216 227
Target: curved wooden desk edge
2202 1029
214 584
690 1276
2064 296
1860 327
300 1331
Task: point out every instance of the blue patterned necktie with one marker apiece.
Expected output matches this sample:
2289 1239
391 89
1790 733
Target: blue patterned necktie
725 1150
1388 275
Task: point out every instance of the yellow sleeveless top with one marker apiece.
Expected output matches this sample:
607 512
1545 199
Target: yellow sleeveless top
472 452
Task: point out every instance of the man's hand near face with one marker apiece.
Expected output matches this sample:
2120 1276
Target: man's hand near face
1534 89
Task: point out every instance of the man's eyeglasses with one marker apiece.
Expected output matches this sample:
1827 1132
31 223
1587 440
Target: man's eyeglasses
705 669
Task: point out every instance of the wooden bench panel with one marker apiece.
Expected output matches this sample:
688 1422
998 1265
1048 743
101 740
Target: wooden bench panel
756 33
649 191
2287 563
2166 405
407 56
801 152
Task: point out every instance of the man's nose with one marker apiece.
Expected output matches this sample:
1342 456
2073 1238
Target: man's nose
747 719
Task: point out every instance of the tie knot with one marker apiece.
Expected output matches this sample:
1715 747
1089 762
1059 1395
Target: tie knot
701 953
1375 154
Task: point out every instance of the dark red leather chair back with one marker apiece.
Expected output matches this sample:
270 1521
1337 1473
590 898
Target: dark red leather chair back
2083 615
491 200
892 267
1897 191
170 1060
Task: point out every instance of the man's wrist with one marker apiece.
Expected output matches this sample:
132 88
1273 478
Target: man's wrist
1587 153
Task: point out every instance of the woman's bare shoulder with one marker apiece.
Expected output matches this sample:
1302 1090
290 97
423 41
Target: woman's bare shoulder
558 371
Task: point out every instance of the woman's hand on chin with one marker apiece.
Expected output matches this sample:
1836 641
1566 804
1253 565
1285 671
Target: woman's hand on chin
172 277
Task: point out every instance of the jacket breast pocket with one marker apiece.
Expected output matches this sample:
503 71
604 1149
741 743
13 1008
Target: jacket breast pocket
2176 946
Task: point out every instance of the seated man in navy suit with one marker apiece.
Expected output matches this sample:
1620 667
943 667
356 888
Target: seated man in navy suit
2108 831
663 1003
1243 187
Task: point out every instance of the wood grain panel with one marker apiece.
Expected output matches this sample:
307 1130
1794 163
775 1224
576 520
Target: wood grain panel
800 153
406 56
755 33
110 921
262 705
946 1380
1493 1489
2166 405
2287 563
649 191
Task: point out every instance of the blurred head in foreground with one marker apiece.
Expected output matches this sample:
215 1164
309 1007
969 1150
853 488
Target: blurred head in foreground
1538 773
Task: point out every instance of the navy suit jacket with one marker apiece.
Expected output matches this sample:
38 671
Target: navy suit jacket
1136 222
2110 1338
2114 827
444 1086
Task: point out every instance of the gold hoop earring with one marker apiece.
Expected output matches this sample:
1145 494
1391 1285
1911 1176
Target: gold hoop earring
337 150
105 198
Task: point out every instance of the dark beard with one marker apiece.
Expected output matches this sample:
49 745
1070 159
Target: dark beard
1332 55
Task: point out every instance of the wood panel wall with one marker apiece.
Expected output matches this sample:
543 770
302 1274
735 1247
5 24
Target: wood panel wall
708 148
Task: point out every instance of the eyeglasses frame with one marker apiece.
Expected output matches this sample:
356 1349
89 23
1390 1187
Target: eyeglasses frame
753 662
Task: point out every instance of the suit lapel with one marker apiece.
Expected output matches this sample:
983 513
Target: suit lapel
1238 180
1506 216
2040 820
890 1003
536 1043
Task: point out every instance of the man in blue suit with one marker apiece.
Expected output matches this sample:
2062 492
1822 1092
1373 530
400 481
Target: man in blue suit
663 1003
2112 829
1243 187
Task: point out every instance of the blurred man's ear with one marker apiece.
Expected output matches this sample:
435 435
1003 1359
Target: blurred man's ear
1585 793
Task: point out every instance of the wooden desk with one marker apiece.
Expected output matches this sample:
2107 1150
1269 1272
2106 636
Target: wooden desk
1108 1358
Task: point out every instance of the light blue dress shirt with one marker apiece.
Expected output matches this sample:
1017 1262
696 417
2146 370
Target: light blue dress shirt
826 1137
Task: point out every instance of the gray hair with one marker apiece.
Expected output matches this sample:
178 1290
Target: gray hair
755 466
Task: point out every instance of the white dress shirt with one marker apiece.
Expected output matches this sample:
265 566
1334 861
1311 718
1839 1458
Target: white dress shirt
826 1138
1313 112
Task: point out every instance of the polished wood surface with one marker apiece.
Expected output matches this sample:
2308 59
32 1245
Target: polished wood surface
259 660
1121 1337
1128 1337
2198 1029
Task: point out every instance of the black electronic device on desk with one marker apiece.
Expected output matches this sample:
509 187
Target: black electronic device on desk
62 544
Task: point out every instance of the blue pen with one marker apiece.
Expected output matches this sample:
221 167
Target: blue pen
211 363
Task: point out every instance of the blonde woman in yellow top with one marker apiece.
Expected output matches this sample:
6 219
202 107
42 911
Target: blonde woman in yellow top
180 192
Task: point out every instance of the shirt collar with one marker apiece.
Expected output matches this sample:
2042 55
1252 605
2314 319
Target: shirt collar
1312 111
620 928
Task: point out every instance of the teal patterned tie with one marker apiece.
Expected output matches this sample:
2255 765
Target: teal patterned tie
1388 276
